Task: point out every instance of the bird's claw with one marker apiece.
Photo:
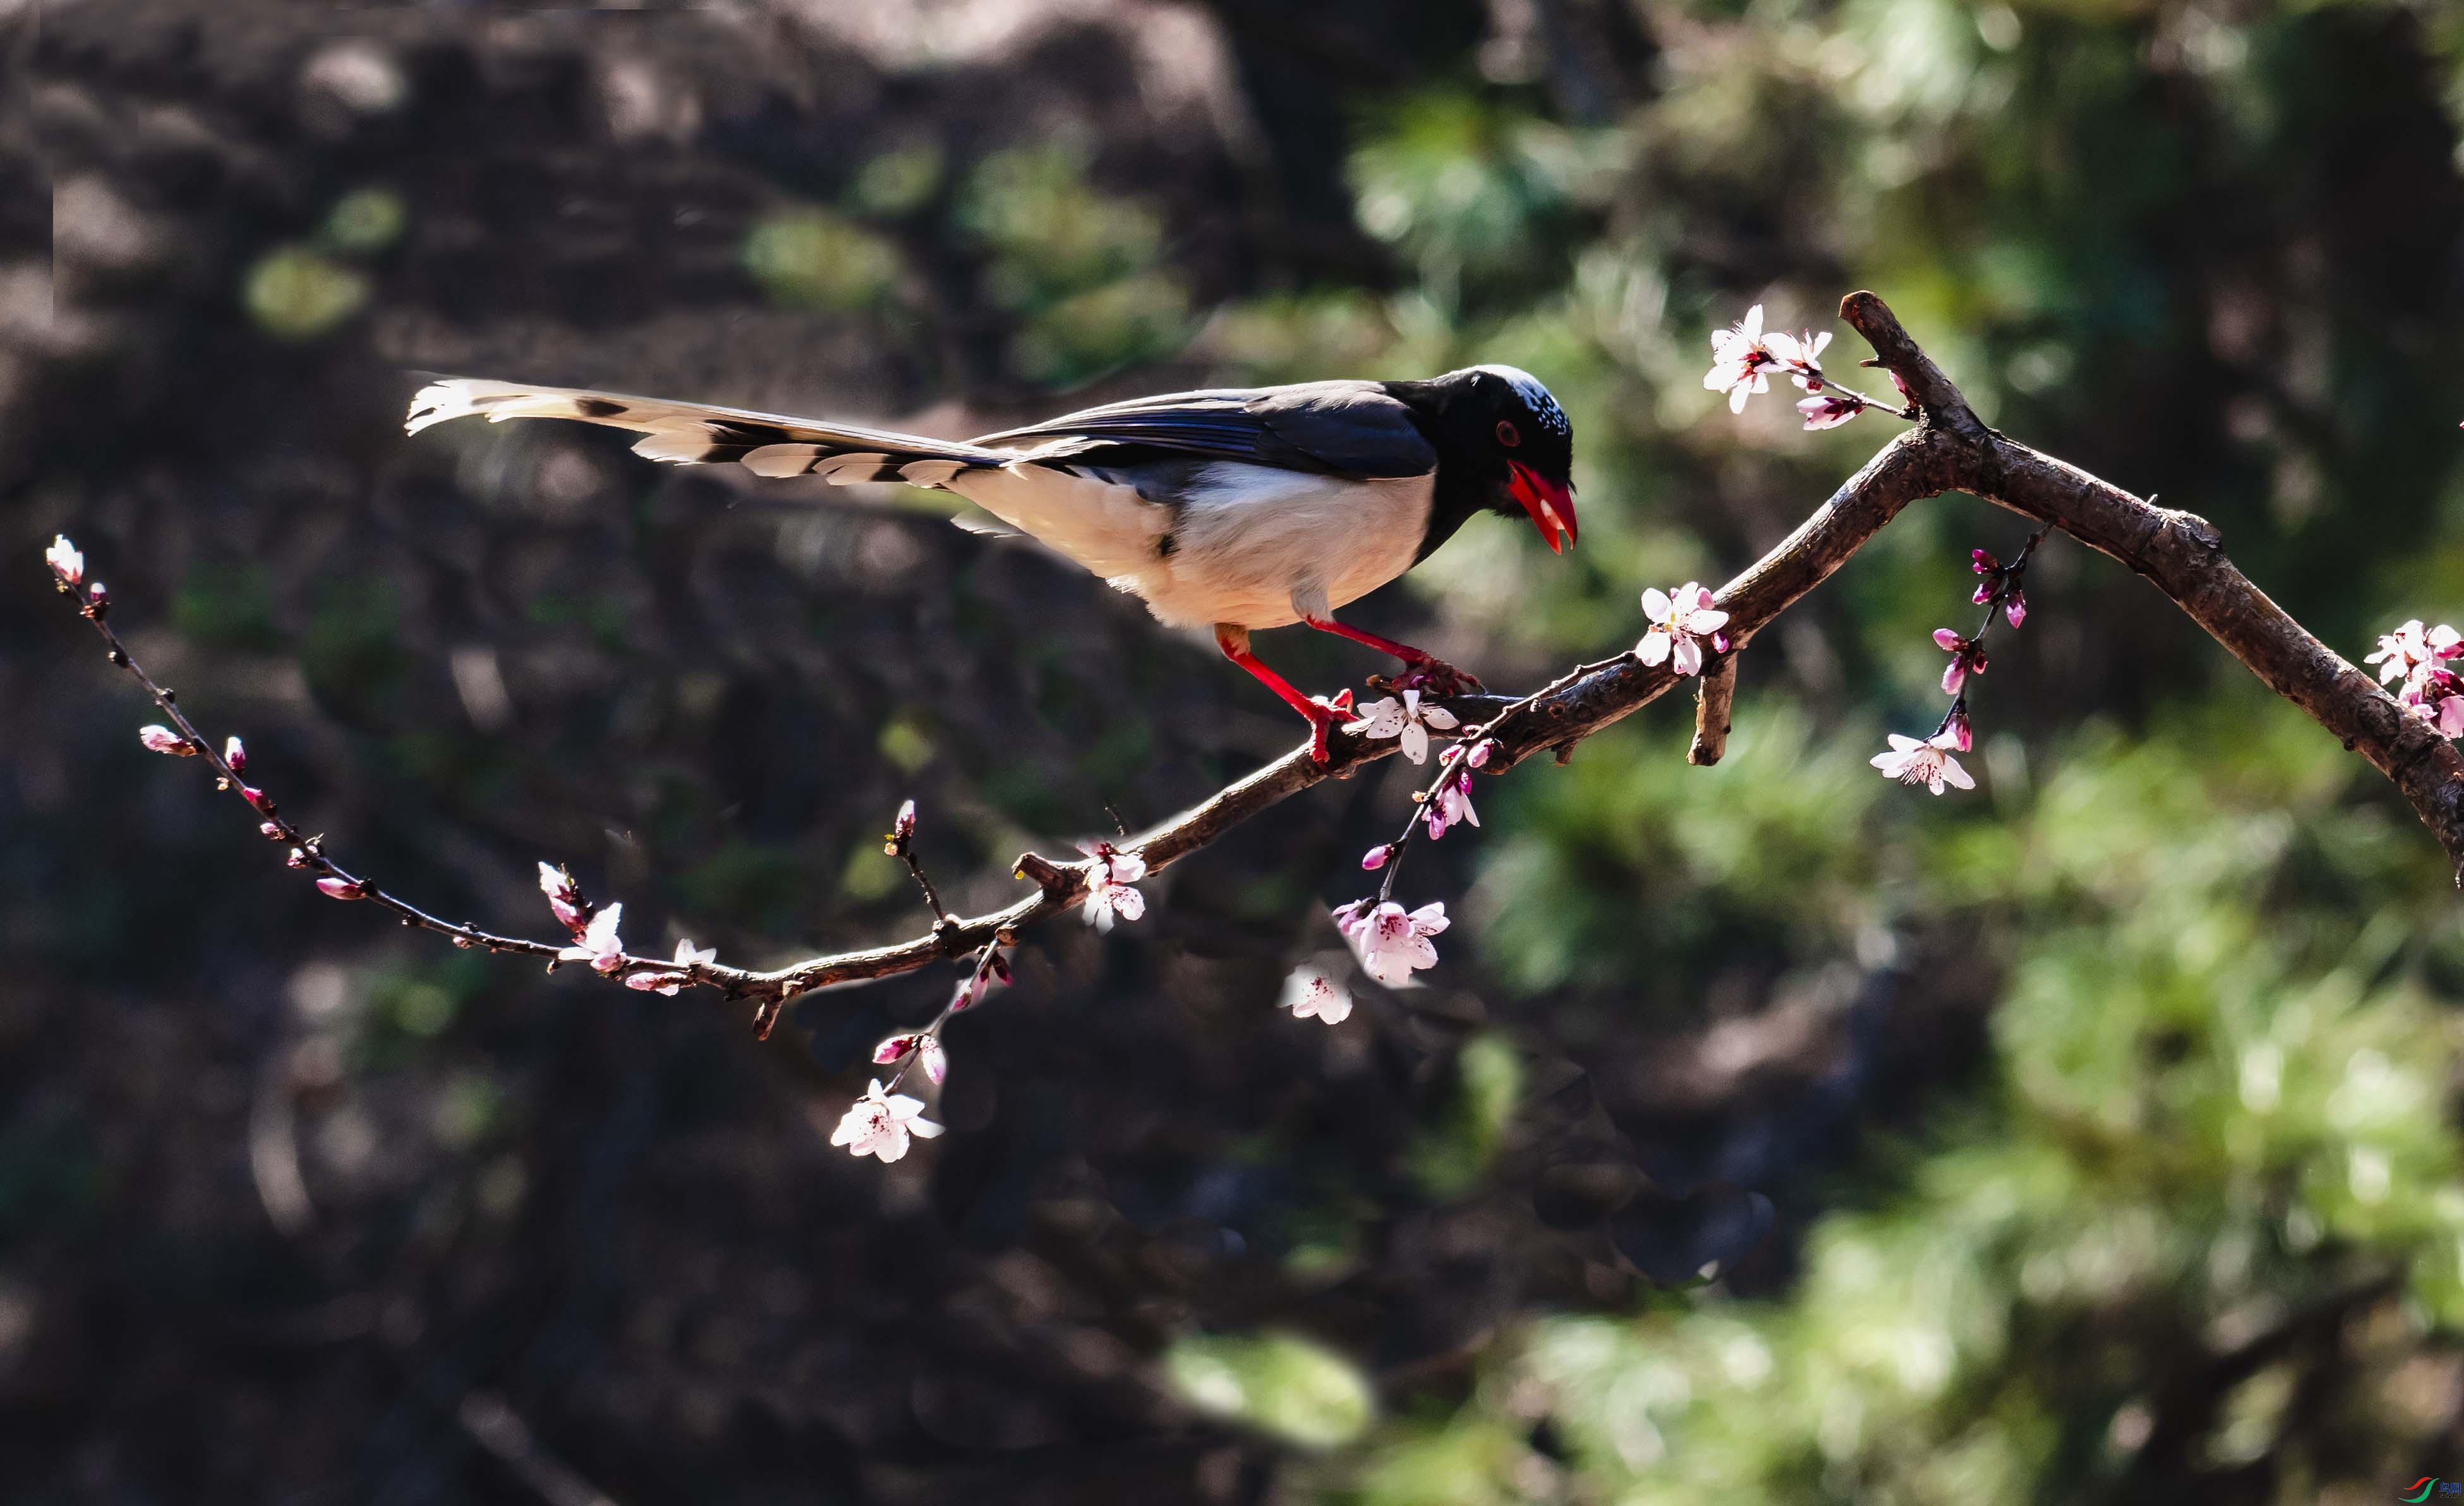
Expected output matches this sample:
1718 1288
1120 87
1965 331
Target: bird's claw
1324 716
1430 677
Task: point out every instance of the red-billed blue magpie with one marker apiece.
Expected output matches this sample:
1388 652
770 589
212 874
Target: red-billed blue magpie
1237 508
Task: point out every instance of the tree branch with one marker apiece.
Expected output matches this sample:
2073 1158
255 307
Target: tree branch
1948 449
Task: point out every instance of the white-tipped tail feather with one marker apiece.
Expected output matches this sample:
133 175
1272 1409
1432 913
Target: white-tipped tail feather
1105 526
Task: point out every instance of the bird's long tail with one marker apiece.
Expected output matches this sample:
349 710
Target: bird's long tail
694 433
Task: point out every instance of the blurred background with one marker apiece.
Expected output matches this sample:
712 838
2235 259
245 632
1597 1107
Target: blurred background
2104 1121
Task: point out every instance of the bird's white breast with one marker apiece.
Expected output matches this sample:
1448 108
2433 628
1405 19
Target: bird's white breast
1261 547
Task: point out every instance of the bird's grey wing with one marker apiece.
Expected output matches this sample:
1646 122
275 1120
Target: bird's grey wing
1347 429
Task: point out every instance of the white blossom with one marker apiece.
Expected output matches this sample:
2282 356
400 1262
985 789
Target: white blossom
163 740
1312 993
1928 763
564 897
67 562
880 1122
1801 354
651 980
1740 357
1405 718
1677 621
1110 884
600 947
1391 942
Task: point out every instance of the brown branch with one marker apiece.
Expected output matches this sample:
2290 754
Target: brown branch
1948 449
1713 700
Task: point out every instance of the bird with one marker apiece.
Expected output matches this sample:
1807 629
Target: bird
1235 509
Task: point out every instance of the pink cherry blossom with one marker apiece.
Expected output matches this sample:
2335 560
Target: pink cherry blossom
1830 410
1675 622
1450 804
1312 993
600 945
1110 882
163 740
1375 857
1800 356
1967 658
1391 942
1928 763
343 888
1405 718
1740 358
67 562
564 897
2409 647
654 981
880 1123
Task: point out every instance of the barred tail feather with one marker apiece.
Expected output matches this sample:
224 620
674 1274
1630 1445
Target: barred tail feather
695 433
1107 527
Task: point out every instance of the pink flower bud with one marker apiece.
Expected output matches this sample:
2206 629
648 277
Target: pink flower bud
894 1049
1985 562
98 600
934 1061
271 830
1948 641
257 798
2016 609
906 824
1830 410
163 740
1480 750
234 754
1963 736
343 888
297 858
1375 858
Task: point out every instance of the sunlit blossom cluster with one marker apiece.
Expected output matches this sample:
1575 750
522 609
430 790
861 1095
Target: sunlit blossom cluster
2417 657
1745 357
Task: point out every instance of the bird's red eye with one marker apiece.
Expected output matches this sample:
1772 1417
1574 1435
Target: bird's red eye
1508 435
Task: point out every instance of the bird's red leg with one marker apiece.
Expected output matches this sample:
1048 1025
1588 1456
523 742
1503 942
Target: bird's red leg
1428 672
1322 715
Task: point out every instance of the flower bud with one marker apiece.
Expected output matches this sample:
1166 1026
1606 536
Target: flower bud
163 740
297 858
1480 750
257 798
68 565
2016 609
235 755
343 888
934 1060
98 600
1963 736
270 831
893 1049
1375 857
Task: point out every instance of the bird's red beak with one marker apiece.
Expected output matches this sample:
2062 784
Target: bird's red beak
1551 506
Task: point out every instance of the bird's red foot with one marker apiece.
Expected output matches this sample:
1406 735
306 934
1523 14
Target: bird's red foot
1323 717
1430 677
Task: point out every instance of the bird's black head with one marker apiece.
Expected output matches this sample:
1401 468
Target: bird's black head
1497 428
